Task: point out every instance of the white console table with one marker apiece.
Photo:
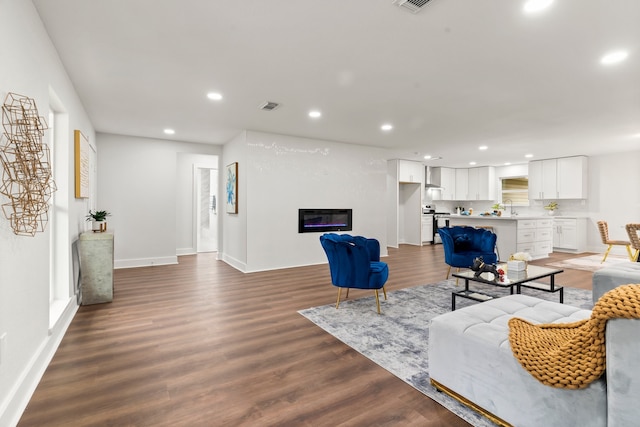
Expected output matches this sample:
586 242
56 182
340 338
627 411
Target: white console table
96 267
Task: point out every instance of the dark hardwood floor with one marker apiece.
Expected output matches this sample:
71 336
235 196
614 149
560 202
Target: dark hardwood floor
201 344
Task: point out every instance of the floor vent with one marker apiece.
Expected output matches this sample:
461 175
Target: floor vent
269 106
414 6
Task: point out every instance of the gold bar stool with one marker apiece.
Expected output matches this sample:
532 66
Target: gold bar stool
604 234
632 231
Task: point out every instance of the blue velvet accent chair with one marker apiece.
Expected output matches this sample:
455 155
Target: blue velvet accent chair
464 244
354 262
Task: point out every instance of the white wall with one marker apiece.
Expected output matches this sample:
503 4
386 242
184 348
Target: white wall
31 67
280 174
138 183
234 226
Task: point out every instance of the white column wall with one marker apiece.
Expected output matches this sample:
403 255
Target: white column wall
282 174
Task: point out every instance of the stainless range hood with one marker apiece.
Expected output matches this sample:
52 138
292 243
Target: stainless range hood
431 177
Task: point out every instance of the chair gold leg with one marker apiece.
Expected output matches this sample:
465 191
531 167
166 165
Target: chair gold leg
377 300
339 292
384 291
629 252
457 271
347 293
448 273
606 253
635 256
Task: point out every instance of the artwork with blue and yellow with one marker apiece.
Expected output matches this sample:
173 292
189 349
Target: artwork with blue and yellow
232 188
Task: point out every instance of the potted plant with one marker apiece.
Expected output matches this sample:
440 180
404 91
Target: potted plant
551 207
497 209
99 220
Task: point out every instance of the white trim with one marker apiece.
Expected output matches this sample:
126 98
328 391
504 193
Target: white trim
18 397
145 262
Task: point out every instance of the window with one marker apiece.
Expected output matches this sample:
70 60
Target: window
516 190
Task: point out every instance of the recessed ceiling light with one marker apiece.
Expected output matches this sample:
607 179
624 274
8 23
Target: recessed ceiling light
386 127
482 147
315 114
534 6
215 96
614 57
169 131
637 135
472 163
507 164
528 156
427 157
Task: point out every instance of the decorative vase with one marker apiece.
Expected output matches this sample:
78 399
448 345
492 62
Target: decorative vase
552 212
99 226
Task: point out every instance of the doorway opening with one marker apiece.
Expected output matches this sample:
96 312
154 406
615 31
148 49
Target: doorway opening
207 209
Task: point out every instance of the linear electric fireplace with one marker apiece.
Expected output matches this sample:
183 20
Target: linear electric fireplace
319 220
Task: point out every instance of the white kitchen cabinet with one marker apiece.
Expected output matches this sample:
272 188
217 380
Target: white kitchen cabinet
482 183
534 236
410 171
404 210
427 228
569 235
572 177
447 179
542 179
563 178
462 184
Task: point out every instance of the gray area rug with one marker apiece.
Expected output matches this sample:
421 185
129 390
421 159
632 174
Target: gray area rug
398 339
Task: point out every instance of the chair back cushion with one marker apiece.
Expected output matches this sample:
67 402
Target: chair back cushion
463 244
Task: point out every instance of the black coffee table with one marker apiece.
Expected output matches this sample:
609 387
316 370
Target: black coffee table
517 281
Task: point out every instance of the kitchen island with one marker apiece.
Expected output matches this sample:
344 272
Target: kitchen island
531 234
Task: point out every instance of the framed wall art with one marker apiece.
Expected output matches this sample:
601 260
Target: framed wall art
232 188
82 148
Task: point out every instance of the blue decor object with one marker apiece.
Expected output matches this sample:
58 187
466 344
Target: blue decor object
462 245
354 262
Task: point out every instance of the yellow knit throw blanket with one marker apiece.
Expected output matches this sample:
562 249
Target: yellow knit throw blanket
572 355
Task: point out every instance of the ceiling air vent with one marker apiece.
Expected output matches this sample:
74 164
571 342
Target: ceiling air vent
414 6
269 106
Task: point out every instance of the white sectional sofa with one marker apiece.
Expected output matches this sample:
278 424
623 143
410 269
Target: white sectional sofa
470 358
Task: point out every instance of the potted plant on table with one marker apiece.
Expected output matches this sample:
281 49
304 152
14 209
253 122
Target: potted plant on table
551 207
98 220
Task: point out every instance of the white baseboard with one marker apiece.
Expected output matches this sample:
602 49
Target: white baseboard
11 410
186 251
145 262
238 265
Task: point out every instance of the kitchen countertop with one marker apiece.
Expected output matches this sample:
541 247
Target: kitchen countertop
499 218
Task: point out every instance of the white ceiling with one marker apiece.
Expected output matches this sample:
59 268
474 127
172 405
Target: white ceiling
457 75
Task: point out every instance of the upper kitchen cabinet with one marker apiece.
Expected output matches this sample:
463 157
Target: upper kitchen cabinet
446 178
542 179
462 184
572 177
482 183
466 184
563 178
411 172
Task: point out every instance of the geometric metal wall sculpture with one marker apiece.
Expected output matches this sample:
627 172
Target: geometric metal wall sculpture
27 179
